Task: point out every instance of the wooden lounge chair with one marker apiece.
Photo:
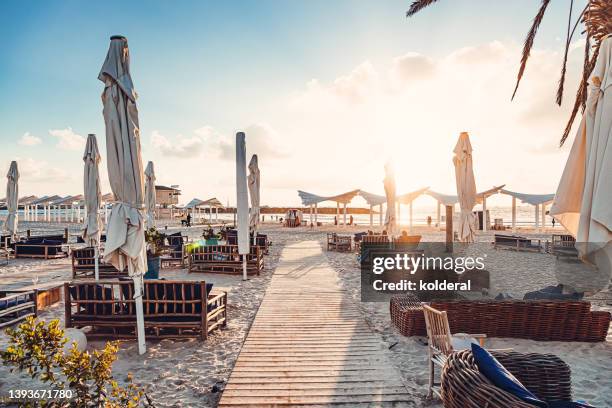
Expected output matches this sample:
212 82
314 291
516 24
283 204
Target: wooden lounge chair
344 243
563 246
16 306
175 253
331 241
37 248
545 375
440 343
224 259
83 265
171 308
517 243
375 239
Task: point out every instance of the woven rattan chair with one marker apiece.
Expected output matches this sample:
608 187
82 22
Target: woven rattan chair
463 386
439 343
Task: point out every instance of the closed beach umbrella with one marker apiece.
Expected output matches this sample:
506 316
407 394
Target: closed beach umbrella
582 202
254 193
150 195
242 201
466 187
125 239
389 183
12 193
93 197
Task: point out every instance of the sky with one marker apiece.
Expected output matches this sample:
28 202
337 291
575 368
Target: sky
326 91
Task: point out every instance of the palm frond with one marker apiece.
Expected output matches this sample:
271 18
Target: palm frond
418 5
568 40
529 42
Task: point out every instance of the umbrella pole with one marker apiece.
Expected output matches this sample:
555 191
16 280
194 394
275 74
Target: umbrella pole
244 268
97 261
142 346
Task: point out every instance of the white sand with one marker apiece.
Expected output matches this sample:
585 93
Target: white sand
192 373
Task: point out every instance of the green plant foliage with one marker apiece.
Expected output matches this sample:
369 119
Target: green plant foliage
38 349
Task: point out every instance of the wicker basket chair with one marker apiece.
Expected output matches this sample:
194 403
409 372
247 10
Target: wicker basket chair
463 386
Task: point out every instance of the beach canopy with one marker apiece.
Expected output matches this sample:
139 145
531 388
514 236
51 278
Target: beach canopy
389 185
213 202
253 182
150 194
466 187
407 198
372 199
480 196
584 196
242 201
91 186
533 199
12 196
310 199
444 199
125 239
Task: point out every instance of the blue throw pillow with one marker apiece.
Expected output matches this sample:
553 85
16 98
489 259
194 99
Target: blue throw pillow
502 378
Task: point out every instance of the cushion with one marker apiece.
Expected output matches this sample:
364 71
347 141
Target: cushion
495 372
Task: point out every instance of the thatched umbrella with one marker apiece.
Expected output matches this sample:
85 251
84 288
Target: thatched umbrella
242 202
125 238
389 184
582 202
150 194
12 200
466 187
91 186
254 194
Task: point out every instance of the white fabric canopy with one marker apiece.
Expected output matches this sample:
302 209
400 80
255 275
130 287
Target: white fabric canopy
125 240
254 184
12 198
584 196
91 186
389 184
466 187
150 194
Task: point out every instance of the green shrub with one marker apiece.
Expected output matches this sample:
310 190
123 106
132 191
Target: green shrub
38 350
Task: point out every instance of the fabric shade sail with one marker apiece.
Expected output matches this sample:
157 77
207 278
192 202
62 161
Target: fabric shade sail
12 200
254 184
150 194
125 239
583 200
466 187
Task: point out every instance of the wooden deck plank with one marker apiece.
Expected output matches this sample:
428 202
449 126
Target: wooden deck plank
309 345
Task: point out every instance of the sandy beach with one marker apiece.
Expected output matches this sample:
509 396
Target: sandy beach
193 373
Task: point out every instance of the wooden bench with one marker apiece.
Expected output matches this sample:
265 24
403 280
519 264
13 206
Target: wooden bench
171 309
16 305
47 294
517 243
563 245
224 259
175 253
83 265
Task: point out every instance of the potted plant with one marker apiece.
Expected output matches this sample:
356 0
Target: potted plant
210 237
155 249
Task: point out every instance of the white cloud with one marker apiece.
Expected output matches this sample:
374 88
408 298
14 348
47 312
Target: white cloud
29 140
261 139
412 66
33 170
68 139
178 146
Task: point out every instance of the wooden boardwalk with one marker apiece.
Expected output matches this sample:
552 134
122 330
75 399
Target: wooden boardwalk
309 345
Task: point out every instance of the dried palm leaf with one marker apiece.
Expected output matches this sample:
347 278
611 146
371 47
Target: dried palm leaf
418 5
529 42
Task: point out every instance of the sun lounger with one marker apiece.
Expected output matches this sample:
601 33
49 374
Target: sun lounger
540 320
224 259
545 375
517 243
16 306
83 265
38 247
171 308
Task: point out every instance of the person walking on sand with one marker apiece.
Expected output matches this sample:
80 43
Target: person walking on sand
335 220
351 220
429 221
188 219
